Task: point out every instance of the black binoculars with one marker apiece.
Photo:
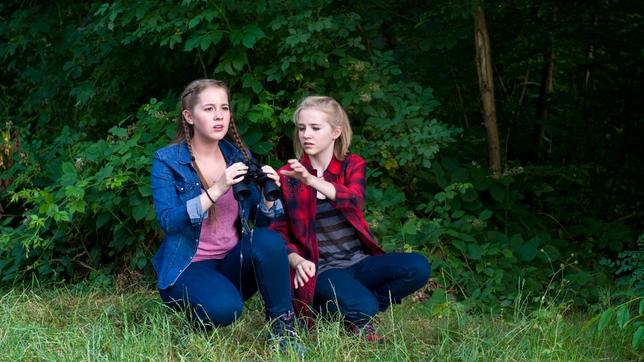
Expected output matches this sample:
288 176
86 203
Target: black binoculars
241 190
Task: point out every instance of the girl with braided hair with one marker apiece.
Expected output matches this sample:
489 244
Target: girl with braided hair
336 263
211 260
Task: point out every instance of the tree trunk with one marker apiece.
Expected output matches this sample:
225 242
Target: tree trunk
486 89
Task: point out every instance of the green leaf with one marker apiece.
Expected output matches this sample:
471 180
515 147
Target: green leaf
485 215
528 250
473 251
139 211
104 172
604 319
438 296
623 314
460 245
118 132
637 337
102 219
83 93
69 174
204 43
497 193
145 189
262 148
581 278
641 309
194 21
69 169
409 227
252 137
192 43
251 34
469 195
235 36
215 36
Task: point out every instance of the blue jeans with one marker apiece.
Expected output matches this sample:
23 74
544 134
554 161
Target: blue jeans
214 291
361 291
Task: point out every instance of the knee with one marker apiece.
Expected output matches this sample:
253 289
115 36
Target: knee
419 268
360 308
219 314
266 242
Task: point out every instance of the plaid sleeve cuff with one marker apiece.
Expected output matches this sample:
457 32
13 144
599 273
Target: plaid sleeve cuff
274 212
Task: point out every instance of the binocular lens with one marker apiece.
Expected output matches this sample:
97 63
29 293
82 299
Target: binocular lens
271 195
241 191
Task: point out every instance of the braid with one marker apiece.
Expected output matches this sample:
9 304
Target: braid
188 139
232 130
189 98
202 179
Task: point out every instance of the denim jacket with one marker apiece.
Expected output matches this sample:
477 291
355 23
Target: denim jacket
176 190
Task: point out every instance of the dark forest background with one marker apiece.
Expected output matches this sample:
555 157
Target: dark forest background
503 139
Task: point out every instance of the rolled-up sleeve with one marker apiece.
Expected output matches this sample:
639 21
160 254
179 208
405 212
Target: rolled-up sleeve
195 212
274 212
173 214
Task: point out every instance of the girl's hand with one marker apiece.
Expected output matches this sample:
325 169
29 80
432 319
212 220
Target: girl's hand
272 174
232 175
298 171
304 270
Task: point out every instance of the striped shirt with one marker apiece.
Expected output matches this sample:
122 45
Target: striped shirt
338 242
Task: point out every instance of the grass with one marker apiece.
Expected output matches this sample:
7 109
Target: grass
82 323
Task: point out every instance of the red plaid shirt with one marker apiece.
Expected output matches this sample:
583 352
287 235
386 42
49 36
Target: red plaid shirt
297 226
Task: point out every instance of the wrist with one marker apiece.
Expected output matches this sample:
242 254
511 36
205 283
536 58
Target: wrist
300 262
294 260
215 192
212 194
310 180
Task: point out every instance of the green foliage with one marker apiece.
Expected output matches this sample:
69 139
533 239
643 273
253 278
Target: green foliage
628 316
90 209
97 213
75 158
486 241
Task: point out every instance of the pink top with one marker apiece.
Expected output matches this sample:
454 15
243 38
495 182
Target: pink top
218 237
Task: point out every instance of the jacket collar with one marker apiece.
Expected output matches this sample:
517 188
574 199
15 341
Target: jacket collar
184 153
334 167
229 150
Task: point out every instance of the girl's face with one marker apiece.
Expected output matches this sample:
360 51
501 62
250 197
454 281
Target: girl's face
210 117
315 133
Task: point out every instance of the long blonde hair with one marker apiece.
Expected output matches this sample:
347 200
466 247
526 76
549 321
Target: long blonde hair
336 116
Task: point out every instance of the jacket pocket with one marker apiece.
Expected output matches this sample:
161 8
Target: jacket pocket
186 190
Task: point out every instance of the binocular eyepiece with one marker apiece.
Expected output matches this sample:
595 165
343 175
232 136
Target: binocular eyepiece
241 190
